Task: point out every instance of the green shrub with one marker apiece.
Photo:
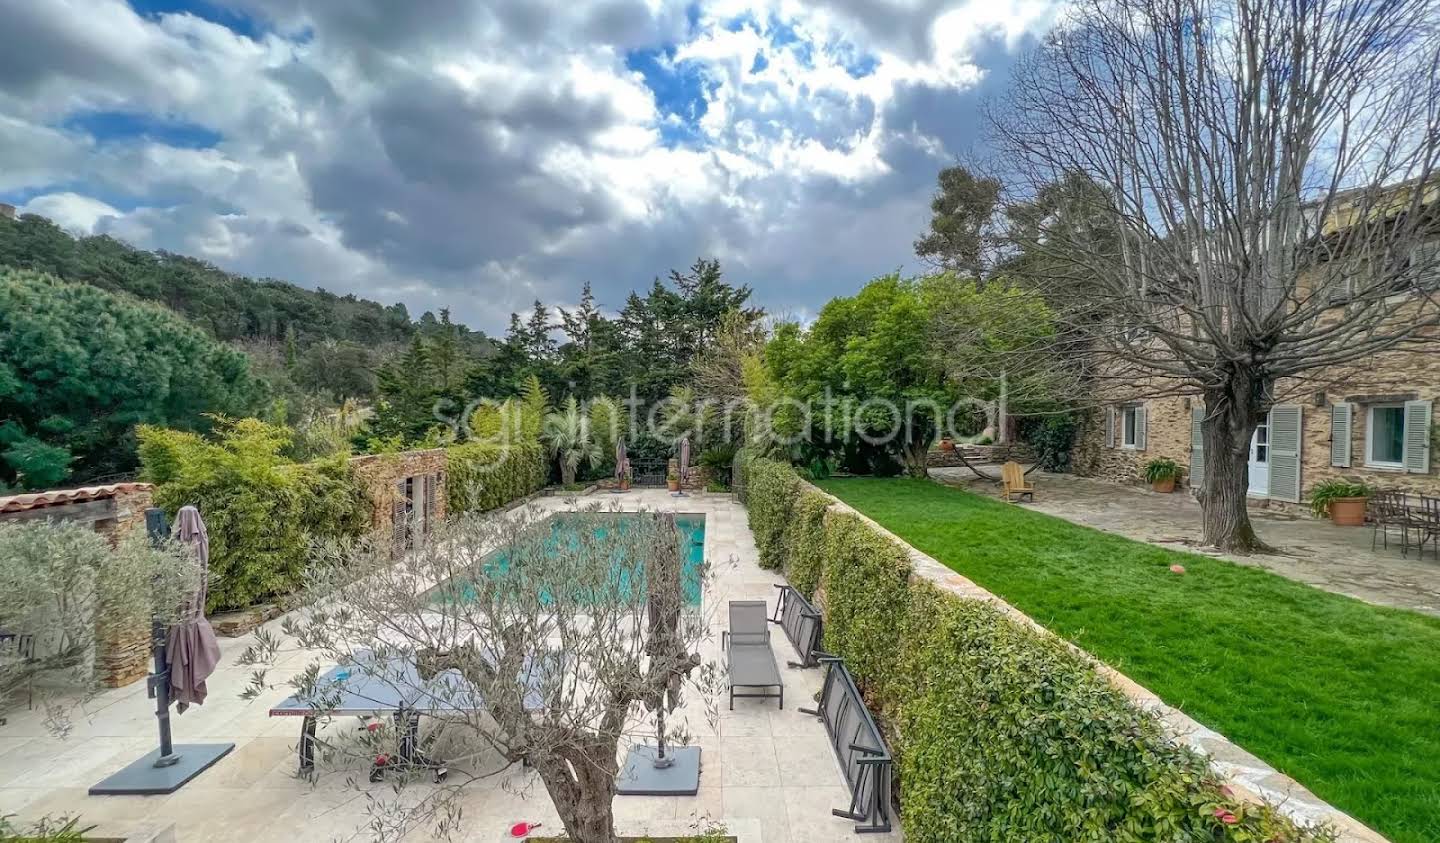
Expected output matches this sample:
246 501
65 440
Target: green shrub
262 512
481 476
1008 734
772 488
1332 490
866 577
1001 732
1161 469
718 462
805 542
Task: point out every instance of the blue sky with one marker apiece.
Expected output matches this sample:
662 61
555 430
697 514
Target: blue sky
493 151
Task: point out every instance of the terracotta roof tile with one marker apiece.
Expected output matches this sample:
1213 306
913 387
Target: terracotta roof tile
60 497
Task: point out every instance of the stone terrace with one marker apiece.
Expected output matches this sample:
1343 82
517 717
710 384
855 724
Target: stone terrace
768 775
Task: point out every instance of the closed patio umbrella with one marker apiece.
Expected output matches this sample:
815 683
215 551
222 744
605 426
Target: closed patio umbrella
620 460
684 462
191 648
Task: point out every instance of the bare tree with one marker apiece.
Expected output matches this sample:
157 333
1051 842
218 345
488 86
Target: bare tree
1263 171
573 635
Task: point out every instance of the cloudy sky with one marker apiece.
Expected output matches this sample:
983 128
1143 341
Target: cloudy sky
481 153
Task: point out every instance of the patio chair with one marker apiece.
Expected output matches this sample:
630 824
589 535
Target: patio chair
1388 510
1013 482
1427 516
748 657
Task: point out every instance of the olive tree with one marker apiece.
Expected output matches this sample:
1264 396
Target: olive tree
67 589
576 633
1260 187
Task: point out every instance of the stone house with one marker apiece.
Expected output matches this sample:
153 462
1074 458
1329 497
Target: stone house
1371 422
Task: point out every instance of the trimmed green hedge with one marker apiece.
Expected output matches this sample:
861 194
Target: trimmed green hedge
867 586
805 545
261 511
772 488
1001 732
482 476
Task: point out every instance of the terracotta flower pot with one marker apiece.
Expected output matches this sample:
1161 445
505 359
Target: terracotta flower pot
947 444
1164 487
1348 512
625 484
673 485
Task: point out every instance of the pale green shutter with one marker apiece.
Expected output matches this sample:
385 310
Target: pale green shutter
1340 435
1140 428
1417 437
1109 427
1285 429
1197 447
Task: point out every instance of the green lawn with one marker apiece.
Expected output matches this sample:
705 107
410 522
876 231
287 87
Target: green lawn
1341 695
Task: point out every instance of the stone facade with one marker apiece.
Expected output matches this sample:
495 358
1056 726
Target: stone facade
124 654
409 485
1392 378
1167 424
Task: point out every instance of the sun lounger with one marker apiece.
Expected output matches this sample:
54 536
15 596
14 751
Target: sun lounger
748 656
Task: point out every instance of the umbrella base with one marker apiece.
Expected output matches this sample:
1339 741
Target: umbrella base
640 777
143 778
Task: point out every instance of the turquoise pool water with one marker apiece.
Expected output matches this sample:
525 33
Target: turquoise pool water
623 575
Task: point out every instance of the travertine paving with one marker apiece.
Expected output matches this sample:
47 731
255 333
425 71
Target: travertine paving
1314 552
768 775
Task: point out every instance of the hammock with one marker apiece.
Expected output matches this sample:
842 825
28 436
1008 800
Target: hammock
978 473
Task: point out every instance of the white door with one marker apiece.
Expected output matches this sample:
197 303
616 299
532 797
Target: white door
1260 459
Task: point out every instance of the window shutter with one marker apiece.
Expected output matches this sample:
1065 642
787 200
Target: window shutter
1140 428
1197 447
1285 421
1340 435
399 519
1109 427
1417 437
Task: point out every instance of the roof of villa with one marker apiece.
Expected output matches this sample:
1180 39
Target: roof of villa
61 497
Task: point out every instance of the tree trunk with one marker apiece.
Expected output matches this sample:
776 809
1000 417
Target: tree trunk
567 472
915 455
1232 413
583 793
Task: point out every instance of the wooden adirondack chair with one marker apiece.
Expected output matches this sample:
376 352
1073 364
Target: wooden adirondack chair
1013 483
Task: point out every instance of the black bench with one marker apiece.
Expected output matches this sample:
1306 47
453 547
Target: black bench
861 750
801 623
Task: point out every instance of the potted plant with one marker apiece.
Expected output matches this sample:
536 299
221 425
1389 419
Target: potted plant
625 477
946 443
672 480
1343 500
1162 472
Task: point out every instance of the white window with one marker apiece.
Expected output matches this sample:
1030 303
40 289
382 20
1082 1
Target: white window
1129 426
1385 436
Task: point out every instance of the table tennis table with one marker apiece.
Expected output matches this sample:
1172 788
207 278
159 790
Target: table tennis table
372 688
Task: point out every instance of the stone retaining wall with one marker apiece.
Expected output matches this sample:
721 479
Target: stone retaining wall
979 454
1246 774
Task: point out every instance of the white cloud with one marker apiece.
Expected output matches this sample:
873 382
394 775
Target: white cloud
71 211
492 152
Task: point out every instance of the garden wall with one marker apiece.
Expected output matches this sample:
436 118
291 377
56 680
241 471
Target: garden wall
123 654
1002 730
979 455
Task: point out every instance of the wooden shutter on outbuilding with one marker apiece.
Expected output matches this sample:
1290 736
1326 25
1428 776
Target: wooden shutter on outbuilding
400 519
1417 437
1109 427
1197 447
1340 427
1285 433
1140 428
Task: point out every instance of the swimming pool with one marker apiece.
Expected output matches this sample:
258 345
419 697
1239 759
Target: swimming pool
565 529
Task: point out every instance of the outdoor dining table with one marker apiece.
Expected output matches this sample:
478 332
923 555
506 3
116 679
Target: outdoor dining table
1412 513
